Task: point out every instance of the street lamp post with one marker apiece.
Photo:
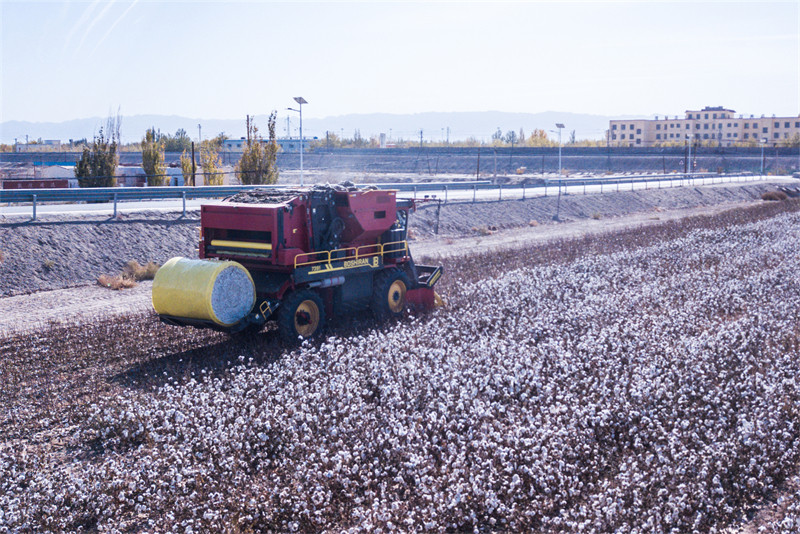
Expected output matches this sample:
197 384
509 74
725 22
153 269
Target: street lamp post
559 126
558 203
689 166
300 101
763 144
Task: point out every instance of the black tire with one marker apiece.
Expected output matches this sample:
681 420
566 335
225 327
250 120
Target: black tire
389 294
301 315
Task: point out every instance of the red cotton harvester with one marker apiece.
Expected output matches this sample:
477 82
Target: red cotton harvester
296 256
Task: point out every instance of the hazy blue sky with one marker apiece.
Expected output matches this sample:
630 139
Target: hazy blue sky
66 60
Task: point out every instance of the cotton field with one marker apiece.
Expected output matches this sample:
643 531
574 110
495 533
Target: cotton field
648 389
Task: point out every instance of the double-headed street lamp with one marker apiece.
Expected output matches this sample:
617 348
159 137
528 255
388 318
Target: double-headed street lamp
300 101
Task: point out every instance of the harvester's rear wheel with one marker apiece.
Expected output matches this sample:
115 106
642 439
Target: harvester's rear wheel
389 294
301 315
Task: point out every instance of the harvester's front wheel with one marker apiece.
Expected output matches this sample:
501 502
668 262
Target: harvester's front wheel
301 315
389 294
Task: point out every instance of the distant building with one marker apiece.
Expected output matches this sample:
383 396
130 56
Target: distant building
46 145
287 144
66 172
710 124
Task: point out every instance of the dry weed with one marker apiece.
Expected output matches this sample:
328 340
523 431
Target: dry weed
115 282
774 196
137 272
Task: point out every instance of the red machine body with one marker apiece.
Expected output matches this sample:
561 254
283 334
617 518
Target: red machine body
289 226
322 249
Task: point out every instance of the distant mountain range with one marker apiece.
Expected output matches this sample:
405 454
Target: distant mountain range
434 125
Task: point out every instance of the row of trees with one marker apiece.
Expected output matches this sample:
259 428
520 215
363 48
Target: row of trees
538 138
258 164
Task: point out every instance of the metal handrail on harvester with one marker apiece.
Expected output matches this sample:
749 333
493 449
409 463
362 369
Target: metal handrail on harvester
381 251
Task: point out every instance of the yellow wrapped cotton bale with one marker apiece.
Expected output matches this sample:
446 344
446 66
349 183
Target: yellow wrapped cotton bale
218 291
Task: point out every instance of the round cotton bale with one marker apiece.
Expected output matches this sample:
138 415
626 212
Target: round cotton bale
218 291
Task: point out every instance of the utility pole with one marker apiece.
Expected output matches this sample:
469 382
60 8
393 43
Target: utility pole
685 157
448 135
420 139
478 172
194 167
199 134
560 126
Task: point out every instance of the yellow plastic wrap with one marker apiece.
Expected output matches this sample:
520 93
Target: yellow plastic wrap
218 291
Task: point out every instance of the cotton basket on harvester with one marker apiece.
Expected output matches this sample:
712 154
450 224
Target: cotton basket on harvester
222 292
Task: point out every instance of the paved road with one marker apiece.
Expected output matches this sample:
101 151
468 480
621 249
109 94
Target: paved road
504 193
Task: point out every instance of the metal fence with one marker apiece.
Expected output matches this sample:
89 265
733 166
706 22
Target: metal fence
119 194
416 190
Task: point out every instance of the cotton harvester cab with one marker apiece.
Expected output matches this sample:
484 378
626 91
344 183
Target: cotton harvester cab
296 257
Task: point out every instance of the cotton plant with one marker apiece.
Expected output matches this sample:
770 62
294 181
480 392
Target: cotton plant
648 390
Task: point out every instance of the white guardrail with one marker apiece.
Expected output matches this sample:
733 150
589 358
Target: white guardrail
451 191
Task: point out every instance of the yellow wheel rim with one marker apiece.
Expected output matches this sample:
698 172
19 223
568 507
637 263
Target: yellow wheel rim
306 318
397 296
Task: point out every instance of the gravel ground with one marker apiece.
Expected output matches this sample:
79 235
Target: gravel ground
458 219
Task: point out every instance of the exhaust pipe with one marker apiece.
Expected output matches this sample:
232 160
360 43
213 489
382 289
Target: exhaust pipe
328 282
